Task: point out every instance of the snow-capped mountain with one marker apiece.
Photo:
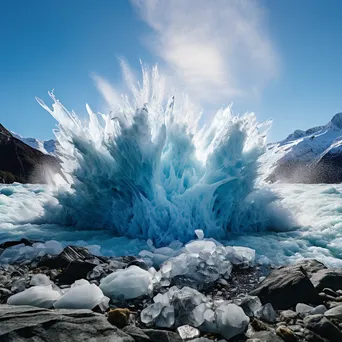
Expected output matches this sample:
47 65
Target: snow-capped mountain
46 146
311 156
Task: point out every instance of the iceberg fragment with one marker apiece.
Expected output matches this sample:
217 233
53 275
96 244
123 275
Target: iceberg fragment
39 296
129 283
81 296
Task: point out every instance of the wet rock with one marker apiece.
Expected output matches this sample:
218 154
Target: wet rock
266 313
75 270
327 278
287 286
288 315
334 313
321 326
69 254
23 323
303 309
286 334
118 317
320 309
330 292
162 335
265 336
258 325
24 241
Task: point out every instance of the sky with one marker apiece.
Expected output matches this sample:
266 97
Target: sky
279 59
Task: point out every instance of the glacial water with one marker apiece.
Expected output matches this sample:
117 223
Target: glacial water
147 171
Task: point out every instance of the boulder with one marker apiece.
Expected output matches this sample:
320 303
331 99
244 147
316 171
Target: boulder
75 270
327 278
26 323
69 254
287 286
321 326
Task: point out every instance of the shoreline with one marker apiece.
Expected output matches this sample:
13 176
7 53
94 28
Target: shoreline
254 303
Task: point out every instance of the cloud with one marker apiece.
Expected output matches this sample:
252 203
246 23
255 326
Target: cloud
215 50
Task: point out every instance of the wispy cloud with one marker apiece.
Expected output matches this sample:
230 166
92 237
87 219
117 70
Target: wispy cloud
215 50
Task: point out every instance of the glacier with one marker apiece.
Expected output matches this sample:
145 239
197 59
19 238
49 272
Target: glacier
146 170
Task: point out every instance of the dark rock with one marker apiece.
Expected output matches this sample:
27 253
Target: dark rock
74 271
162 335
24 241
118 317
138 263
330 292
26 323
327 278
258 325
287 286
265 336
321 326
334 313
288 316
309 266
69 254
286 334
310 336
137 333
22 163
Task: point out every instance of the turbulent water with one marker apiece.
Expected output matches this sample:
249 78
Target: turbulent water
147 171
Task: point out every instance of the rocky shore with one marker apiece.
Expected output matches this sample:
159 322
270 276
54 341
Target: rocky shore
78 296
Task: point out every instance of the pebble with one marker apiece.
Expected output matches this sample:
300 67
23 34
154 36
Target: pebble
286 334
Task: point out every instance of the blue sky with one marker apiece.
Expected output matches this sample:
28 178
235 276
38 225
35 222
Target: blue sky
280 59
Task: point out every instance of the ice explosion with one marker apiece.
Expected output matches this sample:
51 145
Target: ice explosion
146 169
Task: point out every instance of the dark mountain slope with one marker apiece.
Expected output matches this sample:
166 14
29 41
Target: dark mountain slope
22 163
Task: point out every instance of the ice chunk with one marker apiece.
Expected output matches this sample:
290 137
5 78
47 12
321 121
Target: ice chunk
162 298
150 314
96 272
231 320
245 257
187 332
40 279
199 233
80 282
39 296
250 304
53 247
85 296
129 283
266 313
198 314
200 246
166 318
